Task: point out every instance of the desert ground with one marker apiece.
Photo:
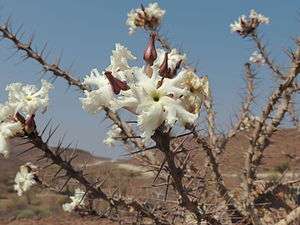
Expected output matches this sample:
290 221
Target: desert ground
43 207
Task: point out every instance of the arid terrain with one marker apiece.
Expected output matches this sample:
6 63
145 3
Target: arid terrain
43 207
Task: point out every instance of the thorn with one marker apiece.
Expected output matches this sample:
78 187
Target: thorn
139 151
58 171
7 23
44 156
43 49
51 133
182 135
51 164
131 121
27 150
19 29
72 158
69 178
24 143
159 171
31 40
167 188
45 128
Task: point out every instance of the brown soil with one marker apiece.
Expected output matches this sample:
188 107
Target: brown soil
283 152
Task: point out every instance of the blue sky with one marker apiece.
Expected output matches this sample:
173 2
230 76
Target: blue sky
85 32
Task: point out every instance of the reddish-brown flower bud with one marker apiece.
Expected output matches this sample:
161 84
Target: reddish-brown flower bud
150 53
116 84
164 69
30 124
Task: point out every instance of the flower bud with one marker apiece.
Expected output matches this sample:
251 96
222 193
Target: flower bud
30 124
164 69
150 53
116 84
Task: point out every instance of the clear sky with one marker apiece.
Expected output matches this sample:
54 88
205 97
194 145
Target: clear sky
85 31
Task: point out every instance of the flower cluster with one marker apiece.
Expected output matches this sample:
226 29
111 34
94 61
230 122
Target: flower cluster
249 122
147 18
25 178
160 93
245 26
257 58
17 114
112 135
77 201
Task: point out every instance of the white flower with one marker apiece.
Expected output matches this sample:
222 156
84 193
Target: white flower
149 18
153 10
244 26
8 130
174 57
28 99
257 58
119 59
249 122
198 89
6 111
259 17
77 200
101 96
236 26
155 104
112 135
24 179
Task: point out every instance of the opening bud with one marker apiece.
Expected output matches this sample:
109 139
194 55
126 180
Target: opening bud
116 84
164 69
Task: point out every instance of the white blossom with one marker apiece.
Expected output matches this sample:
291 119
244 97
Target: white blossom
6 111
236 26
101 96
8 130
155 104
145 93
23 99
257 58
150 17
28 99
119 59
198 89
112 135
260 18
246 25
76 201
25 178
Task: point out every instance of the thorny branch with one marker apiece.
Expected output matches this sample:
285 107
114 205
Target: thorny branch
249 98
93 191
263 51
263 131
162 140
59 72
